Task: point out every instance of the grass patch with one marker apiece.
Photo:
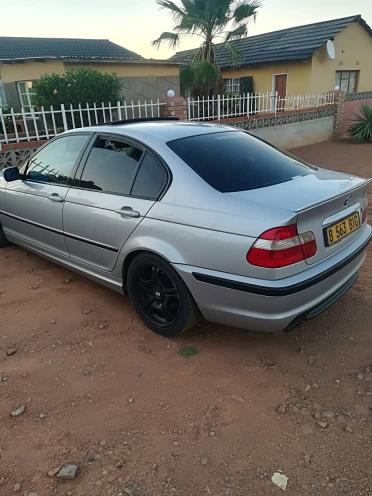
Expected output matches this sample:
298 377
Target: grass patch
188 351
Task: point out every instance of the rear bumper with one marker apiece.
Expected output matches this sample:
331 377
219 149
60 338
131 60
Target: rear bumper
273 306
324 305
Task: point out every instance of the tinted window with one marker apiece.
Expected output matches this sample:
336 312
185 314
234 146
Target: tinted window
54 163
111 166
236 161
150 179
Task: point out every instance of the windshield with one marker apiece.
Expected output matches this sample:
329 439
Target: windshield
236 161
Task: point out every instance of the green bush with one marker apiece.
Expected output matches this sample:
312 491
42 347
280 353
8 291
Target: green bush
361 130
82 85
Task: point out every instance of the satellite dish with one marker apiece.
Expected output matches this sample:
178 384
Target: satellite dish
331 51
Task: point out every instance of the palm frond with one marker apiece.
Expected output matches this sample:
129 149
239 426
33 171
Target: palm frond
188 25
246 10
171 38
235 54
237 33
361 130
200 78
173 7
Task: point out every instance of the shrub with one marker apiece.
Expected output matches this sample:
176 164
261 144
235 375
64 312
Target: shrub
82 85
361 130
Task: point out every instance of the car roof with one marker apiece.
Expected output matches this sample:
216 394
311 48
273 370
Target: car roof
161 131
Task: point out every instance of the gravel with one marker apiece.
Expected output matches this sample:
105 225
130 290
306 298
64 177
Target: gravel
68 472
18 411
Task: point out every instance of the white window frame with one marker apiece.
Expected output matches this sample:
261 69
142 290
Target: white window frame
231 86
25 96
3 100
349 72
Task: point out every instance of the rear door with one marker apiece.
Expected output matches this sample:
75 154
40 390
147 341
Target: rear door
32 206
113 191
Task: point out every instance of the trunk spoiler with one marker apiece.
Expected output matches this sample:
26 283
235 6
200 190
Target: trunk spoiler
367 182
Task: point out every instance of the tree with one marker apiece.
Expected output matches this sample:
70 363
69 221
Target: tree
82 85
214 21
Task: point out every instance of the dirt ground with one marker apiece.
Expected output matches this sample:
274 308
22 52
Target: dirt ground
103 392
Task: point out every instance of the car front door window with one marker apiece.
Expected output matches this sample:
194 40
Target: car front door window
55 162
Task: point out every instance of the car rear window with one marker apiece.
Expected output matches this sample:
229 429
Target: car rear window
235 161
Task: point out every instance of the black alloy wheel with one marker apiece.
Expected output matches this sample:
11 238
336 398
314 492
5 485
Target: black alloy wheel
160 296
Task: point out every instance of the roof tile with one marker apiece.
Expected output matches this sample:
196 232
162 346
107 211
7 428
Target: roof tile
292 44
13 48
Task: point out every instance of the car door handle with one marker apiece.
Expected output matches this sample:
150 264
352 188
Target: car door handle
128 212
55 197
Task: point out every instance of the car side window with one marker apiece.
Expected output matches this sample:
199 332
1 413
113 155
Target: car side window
111 166
151 178
55 162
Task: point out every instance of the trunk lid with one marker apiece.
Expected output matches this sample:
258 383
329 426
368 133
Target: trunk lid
319 199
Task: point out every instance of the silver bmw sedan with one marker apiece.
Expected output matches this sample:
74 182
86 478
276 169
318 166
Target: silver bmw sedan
192 221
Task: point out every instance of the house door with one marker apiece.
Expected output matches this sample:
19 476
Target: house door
280 87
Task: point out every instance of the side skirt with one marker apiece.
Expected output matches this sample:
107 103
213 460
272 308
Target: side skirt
115 285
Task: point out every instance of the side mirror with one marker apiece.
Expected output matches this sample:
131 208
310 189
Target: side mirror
11 174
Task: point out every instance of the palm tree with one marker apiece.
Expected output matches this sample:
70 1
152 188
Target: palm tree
214 21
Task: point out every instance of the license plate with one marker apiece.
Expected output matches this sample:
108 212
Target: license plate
337 232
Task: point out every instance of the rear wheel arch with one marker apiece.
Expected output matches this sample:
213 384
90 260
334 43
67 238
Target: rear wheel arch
153 246
131 256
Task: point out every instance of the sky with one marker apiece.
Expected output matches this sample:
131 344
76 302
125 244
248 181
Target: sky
135 23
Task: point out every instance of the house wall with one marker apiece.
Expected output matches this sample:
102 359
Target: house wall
28 71
25 71
139 81
353 53
299 76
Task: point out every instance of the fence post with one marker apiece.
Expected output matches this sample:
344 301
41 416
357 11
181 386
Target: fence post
14 125
119 111
174 106
219 108
339 113
2 122
64 120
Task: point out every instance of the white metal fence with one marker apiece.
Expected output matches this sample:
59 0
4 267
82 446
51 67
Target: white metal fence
249 104
45 123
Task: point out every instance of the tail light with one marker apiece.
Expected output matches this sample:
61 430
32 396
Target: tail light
282 246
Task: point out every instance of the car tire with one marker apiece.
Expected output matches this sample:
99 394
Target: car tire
160 297
3 241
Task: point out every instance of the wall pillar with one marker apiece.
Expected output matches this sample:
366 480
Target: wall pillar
339 115
175 106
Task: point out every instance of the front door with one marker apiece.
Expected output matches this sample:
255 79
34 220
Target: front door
280 88
108 200
32 207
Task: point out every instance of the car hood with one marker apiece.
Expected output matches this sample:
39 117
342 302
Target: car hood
303 192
